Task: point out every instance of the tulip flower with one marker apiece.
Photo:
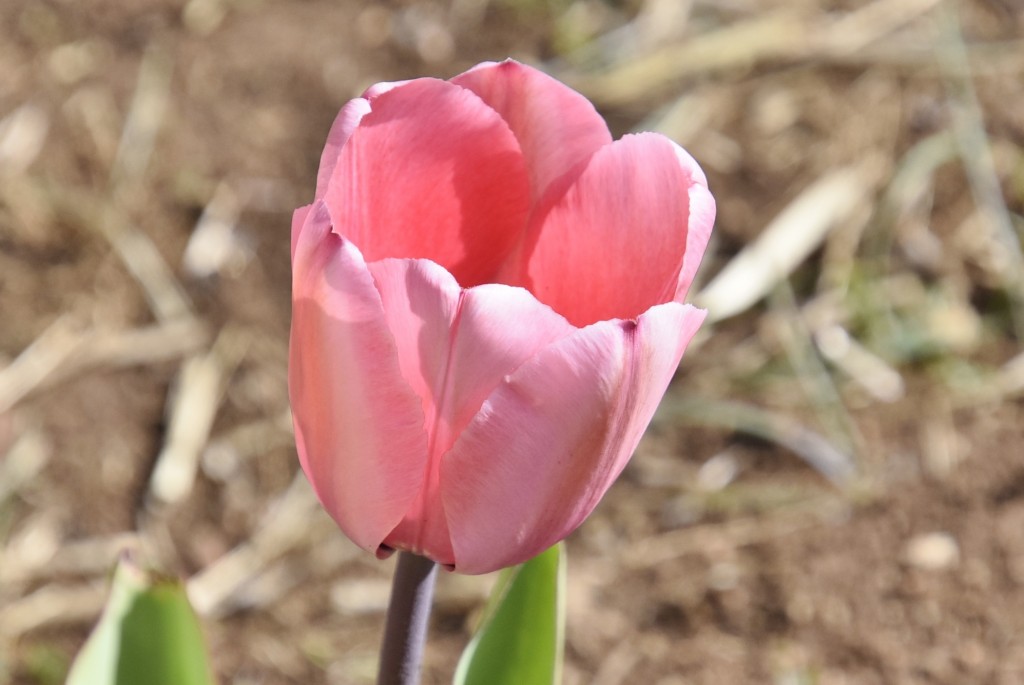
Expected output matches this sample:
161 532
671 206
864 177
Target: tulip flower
487 308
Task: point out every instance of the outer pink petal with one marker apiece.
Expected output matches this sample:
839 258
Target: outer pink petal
661 337
557 127
341 130
383 87
702 220
528 468
555 434
299 217
432 172
358 424
421 302
613 245
454 348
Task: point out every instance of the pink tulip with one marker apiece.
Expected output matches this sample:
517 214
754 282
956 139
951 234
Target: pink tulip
488 306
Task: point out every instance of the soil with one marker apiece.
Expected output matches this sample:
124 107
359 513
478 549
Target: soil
720 556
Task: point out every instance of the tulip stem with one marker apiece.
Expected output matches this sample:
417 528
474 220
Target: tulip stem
405 632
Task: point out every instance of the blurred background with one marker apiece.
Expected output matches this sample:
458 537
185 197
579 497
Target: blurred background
833 490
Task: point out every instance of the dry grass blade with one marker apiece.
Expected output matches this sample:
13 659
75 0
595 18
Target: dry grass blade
165 295
976 152
197 395
22 134
271 583
813 448
863 367
917 55
286 523
686 118
62 352
137 346
52 605
225 453
38 361
787 241
1011 376
618 666
88 557
734 47
856 30
790 327
145 117
782 35
914 175
22 462
658 549
213 243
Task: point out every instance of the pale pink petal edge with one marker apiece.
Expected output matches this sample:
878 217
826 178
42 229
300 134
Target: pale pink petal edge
700 223
359 426
344 124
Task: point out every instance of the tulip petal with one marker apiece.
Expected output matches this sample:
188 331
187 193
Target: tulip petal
660 339
432 172
614 244
455 345
299 217
383 87
341 130
702 220
557 128
555 434
527 469
499 329
358 424
421 302
454 348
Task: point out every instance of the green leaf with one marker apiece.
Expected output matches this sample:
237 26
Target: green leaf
520 639
147 635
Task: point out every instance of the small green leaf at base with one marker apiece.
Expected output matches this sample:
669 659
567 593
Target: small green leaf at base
147 635
520 639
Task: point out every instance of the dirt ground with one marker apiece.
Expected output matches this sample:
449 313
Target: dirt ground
833 490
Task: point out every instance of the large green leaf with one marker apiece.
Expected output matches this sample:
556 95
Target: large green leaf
520 638
147 635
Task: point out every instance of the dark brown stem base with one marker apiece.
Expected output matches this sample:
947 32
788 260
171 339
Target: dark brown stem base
405 633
